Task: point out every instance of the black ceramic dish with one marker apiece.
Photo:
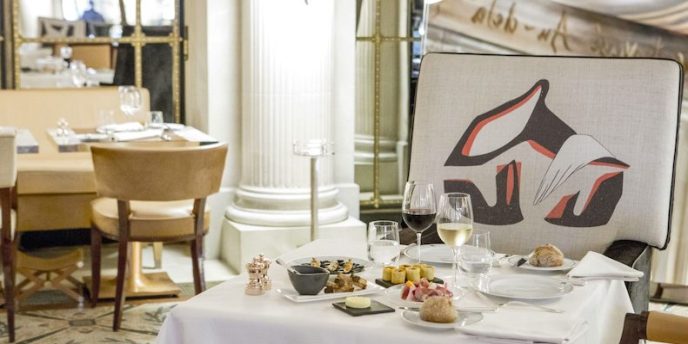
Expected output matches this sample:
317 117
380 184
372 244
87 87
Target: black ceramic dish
310 280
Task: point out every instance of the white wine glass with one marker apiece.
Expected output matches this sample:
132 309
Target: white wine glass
455 224
383 242
129 100
419 208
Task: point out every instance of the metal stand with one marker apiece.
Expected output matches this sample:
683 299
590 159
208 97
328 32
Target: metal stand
314 149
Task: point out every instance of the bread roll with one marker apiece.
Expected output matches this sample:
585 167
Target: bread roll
546 255
438 309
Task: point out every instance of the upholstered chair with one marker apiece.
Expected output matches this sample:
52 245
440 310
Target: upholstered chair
8 179
577 152
148 195
655 327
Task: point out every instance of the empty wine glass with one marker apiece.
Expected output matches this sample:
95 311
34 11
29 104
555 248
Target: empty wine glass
419 208
129 99
383 242
77 70
455 224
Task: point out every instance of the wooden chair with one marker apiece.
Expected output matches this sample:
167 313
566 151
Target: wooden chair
8 179
654 326
152 195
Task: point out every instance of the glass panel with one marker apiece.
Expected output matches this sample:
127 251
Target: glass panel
157 12
76 18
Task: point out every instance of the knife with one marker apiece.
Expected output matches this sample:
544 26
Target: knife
521 261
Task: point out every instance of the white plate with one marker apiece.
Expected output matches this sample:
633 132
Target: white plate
432 253
171 126
462 319
568 264
365 263
525 287
292 295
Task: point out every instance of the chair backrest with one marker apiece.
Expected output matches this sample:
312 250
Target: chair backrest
8 158
578 152
157 173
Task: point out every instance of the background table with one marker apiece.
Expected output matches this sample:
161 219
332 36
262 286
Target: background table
224 314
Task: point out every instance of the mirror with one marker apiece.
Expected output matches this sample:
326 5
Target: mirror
382 100
91 43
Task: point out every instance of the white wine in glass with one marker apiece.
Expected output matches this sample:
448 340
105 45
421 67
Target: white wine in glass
455 224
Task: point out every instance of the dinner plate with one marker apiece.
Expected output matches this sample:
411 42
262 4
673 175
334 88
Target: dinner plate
568 264
291 294
432 253
525 287
171 126
462 319
359 262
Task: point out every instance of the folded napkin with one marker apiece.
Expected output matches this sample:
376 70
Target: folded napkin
597 266
120 127
170 126
523 325
137 135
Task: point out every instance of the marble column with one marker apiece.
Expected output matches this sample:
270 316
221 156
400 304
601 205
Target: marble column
287 94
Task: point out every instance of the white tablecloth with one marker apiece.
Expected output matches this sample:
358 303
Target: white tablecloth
224 314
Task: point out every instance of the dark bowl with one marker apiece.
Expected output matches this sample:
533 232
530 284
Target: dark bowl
310 281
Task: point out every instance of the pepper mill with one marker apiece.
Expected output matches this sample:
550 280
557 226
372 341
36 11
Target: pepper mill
265 282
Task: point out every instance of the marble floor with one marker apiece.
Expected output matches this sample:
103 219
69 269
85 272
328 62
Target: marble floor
50 317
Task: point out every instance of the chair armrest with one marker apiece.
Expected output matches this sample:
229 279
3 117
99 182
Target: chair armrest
637 255
667 328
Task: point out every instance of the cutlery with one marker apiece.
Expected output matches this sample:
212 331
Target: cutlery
521 261
289 268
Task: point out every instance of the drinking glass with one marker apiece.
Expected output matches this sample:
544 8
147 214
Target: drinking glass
66 53
476 258
383 242
129 99
455 223
77 70
419 208
105 120
156 119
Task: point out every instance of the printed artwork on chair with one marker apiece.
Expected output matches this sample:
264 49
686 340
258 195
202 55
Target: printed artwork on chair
527 120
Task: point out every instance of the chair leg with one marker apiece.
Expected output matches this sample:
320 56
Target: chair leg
197 257
121 275
96 245
8 268
157 254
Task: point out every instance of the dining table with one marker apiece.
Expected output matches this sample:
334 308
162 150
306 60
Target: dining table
592 312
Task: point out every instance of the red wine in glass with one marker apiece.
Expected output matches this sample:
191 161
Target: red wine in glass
419 209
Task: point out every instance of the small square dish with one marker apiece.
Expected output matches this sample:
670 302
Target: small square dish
375 308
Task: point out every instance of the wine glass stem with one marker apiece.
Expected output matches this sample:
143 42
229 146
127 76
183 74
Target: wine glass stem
418 235
455 264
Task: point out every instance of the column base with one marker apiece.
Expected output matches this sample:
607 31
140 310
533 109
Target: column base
242 242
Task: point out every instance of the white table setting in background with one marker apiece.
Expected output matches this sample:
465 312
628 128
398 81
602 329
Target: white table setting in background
593 312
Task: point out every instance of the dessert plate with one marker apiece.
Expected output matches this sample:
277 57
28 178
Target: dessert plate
462 319
568 264
525 287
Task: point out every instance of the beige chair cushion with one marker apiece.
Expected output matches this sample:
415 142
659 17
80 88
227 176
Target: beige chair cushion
158 220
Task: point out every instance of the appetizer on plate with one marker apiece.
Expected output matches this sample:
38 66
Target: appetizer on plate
336 266
422 290
403 273
345 283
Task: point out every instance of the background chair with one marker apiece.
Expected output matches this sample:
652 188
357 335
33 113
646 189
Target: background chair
578 152
8 179
149 195
654 326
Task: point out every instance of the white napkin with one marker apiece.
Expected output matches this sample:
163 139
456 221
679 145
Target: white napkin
170 126
137 135
598 266
523 325
120 127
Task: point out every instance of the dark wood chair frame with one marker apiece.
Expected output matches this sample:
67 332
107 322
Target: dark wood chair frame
123 211
8 246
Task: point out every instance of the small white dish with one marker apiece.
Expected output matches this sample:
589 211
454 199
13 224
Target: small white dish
462 319
568 264
525 287
291 294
